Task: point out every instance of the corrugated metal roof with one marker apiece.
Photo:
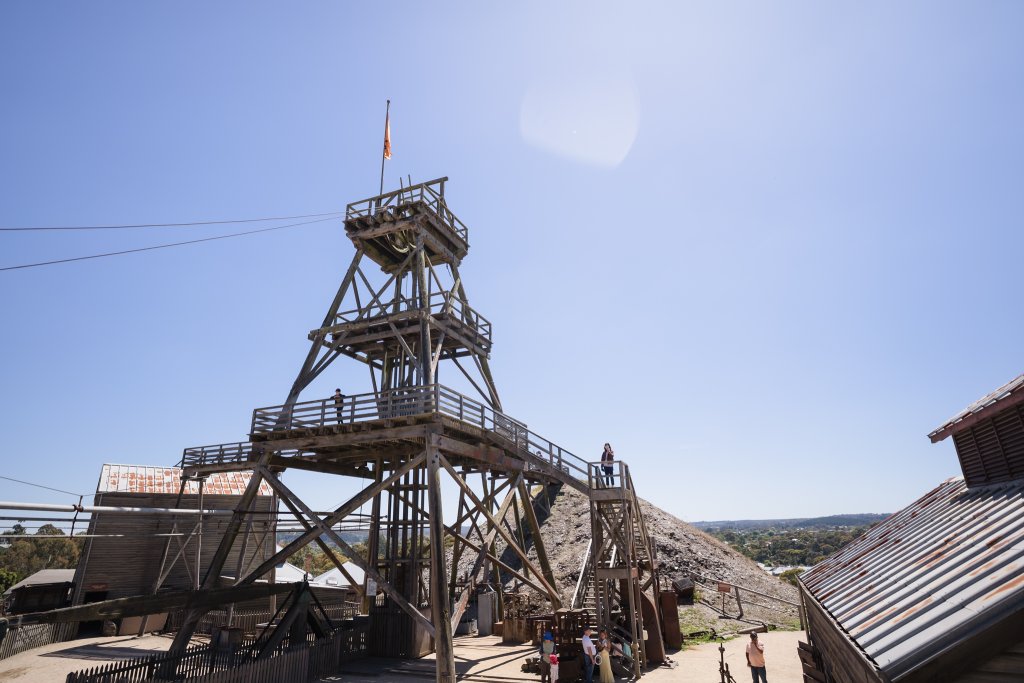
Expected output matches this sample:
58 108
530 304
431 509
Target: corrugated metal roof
929 576
150 479
287 572
985 404
44 577
334 577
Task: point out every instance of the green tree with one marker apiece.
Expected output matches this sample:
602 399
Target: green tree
789 576
26 557
7 579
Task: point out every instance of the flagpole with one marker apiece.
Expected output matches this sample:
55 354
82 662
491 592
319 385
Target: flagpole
383 149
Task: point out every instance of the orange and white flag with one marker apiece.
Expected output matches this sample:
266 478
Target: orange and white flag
387 136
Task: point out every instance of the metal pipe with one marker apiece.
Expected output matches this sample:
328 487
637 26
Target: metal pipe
49 507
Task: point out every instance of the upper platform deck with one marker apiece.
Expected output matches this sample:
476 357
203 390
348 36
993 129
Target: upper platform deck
363 330
387 226
390 427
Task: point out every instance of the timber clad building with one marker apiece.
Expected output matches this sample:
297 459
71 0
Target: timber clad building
936 591
126 555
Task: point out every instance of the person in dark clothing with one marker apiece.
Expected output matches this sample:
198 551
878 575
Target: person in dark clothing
339 398
607 464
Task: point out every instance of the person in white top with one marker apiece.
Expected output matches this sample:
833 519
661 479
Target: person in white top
589 652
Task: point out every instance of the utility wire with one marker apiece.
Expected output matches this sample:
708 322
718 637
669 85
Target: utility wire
164 246
170 225
49 488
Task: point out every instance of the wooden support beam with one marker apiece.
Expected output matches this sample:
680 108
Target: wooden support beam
483 552
299 609
509 539
141 605
496 560
325 528
184 634
345 510
440 607
327 550
538 540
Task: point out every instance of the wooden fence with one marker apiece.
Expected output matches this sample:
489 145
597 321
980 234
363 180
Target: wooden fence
21 638
247 620
285 668
205 664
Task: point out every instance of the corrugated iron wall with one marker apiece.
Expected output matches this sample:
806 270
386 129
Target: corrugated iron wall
992 450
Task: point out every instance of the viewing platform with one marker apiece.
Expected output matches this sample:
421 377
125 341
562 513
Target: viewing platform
387 226
465 332
391 426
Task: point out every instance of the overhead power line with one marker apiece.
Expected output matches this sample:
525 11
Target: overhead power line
165 246
167 225
39 485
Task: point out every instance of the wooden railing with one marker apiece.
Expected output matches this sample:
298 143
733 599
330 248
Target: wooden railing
584 580
439 304
432 399
430 193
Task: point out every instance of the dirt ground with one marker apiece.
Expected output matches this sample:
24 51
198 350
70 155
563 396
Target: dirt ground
54 662
481 660
486 660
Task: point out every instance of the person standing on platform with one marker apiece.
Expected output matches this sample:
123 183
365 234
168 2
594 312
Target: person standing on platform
607 464
339 398
589 652
755 659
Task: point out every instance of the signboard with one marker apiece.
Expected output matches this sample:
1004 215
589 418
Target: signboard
724 587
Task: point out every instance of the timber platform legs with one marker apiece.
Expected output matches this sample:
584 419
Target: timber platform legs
439 598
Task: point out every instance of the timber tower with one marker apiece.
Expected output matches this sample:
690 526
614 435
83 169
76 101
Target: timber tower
402 311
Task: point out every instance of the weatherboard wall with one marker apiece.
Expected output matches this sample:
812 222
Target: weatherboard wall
129 565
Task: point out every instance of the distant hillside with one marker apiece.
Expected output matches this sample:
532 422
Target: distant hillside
863 519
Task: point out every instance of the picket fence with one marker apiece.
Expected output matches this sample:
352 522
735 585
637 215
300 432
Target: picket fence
21 638
305 661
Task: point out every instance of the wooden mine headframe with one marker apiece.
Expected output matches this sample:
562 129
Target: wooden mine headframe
403 435
400 438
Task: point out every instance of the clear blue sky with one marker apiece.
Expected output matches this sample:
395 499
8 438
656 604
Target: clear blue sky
762 249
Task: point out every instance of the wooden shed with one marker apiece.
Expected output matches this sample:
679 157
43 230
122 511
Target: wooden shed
936 591
125 553
46 589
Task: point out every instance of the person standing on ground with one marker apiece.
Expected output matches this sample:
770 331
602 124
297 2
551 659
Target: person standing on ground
339 398
589 652
554 668
604 647
755 659
607 464
547 648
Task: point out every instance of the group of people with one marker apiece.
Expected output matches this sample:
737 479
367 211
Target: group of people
599 653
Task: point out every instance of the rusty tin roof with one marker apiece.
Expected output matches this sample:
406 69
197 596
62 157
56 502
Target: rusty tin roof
150 479
1010 393
930 576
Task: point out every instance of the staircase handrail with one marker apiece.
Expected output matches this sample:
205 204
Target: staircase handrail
581 581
